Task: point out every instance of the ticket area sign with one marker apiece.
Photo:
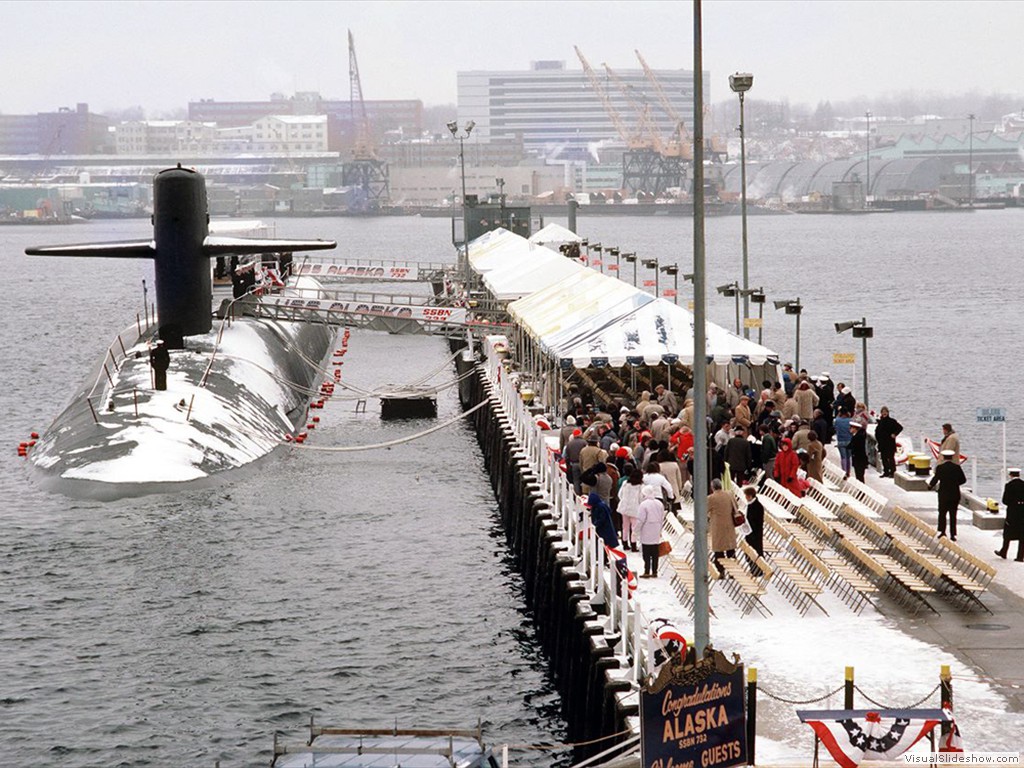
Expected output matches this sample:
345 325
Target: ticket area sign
697 725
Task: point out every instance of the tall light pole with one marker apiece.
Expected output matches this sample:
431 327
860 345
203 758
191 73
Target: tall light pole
630 257
730 290
867 157
614 252
653 264
970 163
793 307
673 271
453 126
701 607
756 296
861 330
600 261
740 83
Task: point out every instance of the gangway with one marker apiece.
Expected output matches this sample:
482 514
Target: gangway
374 270
391 312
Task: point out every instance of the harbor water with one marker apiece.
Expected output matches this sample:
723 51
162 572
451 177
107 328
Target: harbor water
365 588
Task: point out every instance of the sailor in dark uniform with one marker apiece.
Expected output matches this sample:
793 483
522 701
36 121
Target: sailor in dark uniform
160 359
1013 528
949 476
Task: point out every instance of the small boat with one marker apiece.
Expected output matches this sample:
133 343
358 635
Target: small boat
385 748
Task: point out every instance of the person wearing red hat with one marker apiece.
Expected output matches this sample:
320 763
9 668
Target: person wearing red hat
786 465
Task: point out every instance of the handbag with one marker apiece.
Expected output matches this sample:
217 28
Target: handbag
664 548
738 518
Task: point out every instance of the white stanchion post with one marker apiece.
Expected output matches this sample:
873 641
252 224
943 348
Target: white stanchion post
504 756
974 474
1004 454
637 643
624 615
611 599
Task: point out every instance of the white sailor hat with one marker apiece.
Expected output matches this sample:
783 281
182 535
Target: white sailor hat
1013 471
949 453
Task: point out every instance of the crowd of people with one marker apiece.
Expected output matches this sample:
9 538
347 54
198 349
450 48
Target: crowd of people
633 461
619 450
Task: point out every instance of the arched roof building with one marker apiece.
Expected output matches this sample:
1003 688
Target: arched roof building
790 181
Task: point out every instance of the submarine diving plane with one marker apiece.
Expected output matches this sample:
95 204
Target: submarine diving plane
186 400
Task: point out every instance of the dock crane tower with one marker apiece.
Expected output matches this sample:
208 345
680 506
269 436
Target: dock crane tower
643 167
365 171
657 165
714 148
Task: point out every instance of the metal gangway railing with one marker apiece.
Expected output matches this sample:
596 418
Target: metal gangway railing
391 312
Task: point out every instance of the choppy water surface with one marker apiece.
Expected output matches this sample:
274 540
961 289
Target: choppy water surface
364 587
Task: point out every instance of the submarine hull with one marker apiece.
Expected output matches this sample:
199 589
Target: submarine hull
232 396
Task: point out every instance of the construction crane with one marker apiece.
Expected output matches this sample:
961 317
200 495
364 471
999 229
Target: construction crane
365 172
632 140
644 167
647 131
683 144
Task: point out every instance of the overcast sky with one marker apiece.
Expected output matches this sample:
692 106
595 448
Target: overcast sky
161 55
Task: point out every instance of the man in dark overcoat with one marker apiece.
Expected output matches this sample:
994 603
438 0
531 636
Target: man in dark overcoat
949 476
1013 528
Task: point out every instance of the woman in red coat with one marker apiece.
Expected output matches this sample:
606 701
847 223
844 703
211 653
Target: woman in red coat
786 465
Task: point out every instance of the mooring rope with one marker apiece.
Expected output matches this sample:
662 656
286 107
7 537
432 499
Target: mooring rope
388 444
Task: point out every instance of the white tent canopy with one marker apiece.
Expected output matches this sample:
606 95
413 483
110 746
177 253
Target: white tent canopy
528 274
554 234
583 318
568 302
499 247
655 333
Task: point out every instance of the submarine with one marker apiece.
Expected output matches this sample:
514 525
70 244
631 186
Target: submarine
196 393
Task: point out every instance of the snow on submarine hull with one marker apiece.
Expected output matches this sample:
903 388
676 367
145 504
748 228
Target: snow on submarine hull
234 389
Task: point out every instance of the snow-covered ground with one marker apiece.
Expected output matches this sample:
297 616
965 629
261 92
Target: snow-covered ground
800 658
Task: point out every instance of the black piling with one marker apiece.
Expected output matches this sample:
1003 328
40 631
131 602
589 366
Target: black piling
580 656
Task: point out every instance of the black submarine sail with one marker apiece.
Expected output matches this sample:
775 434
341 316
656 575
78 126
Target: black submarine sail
181 249
226 399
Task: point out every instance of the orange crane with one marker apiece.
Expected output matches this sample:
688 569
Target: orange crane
633 141
647 165
681 144
647 131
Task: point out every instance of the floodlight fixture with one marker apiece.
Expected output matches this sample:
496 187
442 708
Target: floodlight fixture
741 82
729 289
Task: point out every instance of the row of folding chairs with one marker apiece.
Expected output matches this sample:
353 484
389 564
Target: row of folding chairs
871 556
961 574
818 562
955 573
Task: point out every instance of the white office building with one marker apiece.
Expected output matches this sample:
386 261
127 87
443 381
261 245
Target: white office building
290 133
557 109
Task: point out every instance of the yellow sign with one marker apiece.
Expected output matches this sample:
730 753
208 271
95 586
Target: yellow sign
843 358
689 305
752 322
